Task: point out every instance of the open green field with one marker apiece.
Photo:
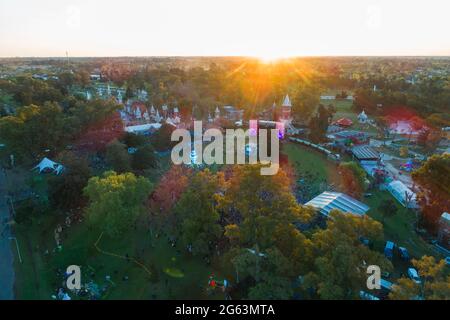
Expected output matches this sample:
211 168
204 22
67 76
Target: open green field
140 264
399 228
154 270
305 159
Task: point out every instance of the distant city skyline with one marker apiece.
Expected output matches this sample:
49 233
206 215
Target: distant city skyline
265 28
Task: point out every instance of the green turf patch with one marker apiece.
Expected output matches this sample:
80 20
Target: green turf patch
174 272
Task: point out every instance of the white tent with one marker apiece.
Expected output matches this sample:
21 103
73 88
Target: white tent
362 117
47 165
327 201
143 128
402 193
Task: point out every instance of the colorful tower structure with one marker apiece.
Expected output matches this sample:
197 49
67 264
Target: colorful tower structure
286 108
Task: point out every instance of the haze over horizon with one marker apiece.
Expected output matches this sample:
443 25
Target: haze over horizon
265 28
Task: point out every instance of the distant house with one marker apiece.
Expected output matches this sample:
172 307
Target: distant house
344 122
327 97
356 137
232 114
143 129
40 76
327 201
365 153
368 158
403 194
403 127
95 76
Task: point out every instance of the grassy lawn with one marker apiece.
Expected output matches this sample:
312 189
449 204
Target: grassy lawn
162 272
306 160
400 227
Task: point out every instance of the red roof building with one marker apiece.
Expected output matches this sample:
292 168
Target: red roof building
344 122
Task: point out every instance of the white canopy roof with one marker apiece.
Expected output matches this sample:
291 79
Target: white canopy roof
142 127
328 201
50 166
400 192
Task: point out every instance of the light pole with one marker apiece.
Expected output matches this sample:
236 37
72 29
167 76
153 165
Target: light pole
17 247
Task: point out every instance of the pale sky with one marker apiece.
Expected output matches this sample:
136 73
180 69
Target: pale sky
262 28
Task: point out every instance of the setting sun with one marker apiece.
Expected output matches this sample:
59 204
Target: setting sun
271 57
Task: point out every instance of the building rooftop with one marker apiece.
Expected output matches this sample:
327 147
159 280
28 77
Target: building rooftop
365 152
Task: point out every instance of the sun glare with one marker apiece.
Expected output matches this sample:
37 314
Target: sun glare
270 57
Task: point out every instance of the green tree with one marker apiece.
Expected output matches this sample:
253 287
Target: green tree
144 158
318 124
117 156
305 100
66 190
270 271
161 139
197 214
387 208
116 201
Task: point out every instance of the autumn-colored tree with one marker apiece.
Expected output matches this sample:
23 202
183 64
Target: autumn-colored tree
428 138
403 151
259 213
341 259
434 282
168 191
433 181
259 204
353 179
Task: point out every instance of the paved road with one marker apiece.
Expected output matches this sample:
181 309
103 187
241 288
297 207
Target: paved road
6 254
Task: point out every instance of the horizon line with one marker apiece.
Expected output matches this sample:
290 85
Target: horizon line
229 56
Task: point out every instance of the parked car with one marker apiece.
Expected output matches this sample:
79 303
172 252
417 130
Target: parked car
364 241
414 275
386 287
403 253
389 249
367 296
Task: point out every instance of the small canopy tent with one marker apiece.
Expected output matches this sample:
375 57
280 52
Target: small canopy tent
48 166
